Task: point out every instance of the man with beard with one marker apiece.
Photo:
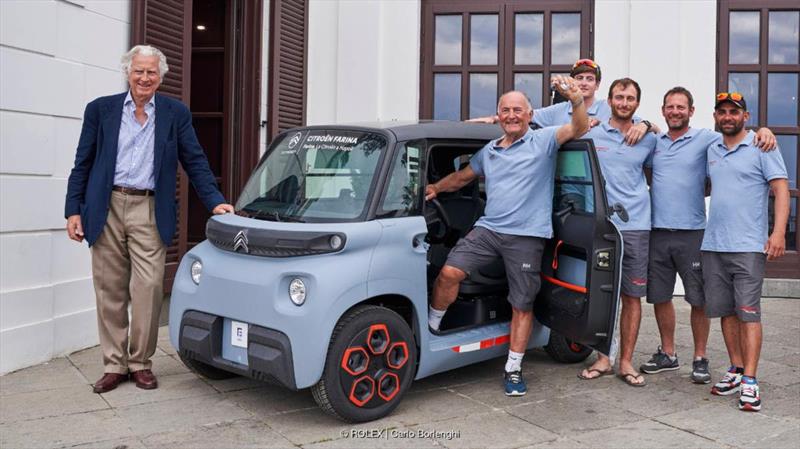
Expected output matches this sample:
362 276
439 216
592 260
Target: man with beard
735 245
623 170
521 164
677 184
587 75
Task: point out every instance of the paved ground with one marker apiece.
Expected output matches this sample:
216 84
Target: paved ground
51 405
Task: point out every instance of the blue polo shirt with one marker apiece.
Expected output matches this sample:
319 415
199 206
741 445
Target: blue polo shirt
519 184
738 216
677 189
561 113
623 169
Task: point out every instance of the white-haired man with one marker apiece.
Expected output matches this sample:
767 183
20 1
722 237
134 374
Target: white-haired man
518 169
121 199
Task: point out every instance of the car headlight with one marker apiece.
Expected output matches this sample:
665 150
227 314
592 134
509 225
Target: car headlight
335 242
197 271
297 292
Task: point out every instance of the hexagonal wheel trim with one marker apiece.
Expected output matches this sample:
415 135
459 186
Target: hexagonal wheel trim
355 361
397 355
362 391
388 386
378 338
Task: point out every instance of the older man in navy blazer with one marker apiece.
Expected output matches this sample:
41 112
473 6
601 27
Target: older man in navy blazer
121 199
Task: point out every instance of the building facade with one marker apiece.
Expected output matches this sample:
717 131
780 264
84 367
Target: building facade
252 68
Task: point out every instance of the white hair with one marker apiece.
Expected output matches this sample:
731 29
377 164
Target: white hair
527 100
145 50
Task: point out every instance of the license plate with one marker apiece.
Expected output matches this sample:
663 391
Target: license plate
239 334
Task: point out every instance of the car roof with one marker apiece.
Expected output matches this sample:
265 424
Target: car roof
426 129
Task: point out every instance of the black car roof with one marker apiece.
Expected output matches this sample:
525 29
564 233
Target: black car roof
426 129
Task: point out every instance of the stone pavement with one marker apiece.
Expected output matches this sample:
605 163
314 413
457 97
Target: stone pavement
51 405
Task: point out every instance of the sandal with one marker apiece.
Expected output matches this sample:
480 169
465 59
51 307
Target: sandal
600 373
630 379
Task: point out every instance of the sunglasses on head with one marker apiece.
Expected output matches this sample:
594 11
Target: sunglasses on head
586 62
735 96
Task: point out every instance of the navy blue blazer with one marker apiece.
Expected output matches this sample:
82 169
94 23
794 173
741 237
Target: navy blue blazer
92 177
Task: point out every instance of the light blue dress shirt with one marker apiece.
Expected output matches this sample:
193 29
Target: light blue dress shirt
623 169
677 189
738 216
135 149
519 184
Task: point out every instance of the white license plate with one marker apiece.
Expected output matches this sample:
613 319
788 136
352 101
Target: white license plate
239 334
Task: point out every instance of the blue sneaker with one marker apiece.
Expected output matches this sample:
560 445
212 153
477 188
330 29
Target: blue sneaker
750 397
515 384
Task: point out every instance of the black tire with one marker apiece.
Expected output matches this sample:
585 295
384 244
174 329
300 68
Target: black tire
363 359
563 350
205 370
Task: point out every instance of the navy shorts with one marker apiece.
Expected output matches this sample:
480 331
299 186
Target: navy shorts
522 257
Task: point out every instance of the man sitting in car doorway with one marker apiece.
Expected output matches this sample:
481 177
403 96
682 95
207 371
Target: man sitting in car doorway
518 165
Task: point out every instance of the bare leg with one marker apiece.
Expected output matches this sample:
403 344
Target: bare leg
445 290
730 332
665 317
750 343
629 331
521 327
701 326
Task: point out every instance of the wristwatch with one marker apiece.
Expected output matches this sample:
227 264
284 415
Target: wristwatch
648 125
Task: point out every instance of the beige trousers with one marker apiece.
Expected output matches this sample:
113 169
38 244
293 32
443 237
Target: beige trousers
128 268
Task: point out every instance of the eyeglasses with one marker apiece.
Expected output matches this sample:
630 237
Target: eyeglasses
735 96
586 62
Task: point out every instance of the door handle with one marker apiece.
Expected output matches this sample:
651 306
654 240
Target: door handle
419 244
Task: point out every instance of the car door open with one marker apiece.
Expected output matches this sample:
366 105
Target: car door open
581 268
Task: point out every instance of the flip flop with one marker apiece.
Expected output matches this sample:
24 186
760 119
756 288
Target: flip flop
629 378
600 373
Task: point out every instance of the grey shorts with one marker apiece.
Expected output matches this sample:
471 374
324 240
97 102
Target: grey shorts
671 253
634 262
733 284
522 257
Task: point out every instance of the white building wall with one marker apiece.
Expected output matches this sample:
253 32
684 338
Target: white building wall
363 61
660 44
55 56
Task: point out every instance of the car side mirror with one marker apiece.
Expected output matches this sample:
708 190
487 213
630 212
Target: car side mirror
619 209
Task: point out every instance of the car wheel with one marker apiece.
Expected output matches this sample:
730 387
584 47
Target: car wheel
564 350
370 365
206 370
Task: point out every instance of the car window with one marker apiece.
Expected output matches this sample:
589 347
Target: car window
573 182
403 191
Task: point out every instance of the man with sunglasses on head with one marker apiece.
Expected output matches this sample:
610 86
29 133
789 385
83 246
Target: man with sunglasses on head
587 75
677 174
520 164
736 244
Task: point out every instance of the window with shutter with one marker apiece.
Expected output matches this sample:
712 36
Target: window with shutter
288 60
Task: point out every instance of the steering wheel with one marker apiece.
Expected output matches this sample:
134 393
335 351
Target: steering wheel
436 218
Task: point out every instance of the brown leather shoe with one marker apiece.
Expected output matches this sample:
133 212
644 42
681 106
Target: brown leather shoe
145 379
108 382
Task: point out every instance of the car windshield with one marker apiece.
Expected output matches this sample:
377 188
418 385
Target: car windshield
314 175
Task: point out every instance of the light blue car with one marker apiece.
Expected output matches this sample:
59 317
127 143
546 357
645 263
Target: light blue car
322 278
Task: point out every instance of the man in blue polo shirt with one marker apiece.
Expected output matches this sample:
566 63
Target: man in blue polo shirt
623 170
735 246
587 75
521 164
677 190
